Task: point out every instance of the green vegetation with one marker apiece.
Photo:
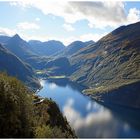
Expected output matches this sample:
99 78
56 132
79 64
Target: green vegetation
20 118
42 73
57 77
39 72
111 62
16 115
50 122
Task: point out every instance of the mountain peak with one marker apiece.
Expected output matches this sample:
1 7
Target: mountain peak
17 37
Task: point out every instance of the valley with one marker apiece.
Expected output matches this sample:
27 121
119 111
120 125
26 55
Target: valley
87 79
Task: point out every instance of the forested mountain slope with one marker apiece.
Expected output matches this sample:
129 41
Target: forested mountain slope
21 118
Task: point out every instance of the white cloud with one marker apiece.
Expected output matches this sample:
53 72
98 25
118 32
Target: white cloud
27 26
13 3
7 31
90 36
133 15
89 106
37 19
99 14
68 27
52 86
42 82
65 40
100 123
92 120
84 37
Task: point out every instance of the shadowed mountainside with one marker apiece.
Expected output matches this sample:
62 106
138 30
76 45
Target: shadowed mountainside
22 49
15 67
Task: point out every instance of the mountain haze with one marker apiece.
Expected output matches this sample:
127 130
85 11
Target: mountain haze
46 48
19 47
22 49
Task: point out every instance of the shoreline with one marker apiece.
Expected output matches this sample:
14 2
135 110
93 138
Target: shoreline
109 104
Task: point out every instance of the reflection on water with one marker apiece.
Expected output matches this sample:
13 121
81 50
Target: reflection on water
101 123
88 118
52 86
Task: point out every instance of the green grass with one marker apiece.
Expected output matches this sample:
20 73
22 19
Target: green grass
39 72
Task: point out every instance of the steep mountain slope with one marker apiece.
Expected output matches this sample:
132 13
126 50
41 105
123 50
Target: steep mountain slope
46 48
15 67
112 62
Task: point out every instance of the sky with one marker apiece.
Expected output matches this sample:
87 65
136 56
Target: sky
65 21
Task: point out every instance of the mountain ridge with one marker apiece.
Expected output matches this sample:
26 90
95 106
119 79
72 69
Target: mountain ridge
46 48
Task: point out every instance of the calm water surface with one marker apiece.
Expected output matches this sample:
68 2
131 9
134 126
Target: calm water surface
88 118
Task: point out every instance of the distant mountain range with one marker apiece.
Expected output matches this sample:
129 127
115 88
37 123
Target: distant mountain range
22 49
19 47
36 54
47 48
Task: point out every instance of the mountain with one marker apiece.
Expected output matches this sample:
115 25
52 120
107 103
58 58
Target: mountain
4 39
19 47
15 67
22 49
112 62
73 48
46 48
89 42
59 63
59 66
76 46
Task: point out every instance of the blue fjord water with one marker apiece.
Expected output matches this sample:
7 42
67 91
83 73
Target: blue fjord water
88 118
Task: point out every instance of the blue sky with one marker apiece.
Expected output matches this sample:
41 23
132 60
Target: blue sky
65 20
